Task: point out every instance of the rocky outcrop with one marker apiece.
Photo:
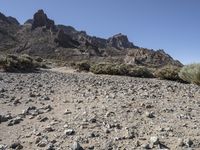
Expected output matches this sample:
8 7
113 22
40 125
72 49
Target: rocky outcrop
3 18
40 19
150 58
65 40
120 41
29 21
13 20
8 28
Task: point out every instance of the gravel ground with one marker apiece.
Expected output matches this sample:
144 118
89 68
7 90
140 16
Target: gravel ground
53 110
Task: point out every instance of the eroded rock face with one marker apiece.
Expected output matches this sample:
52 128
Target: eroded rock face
148 57
65 40
40 19
13 20
120 41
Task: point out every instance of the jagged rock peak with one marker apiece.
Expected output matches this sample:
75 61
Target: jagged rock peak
9 20
120 41
40 19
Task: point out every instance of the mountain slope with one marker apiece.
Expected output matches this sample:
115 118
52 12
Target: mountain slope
40 36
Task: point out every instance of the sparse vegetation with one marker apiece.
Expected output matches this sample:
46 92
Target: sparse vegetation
82 66
191 73
23 63
121 69
168 73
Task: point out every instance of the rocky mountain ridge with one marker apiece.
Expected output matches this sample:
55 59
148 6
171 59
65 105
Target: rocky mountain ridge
40 36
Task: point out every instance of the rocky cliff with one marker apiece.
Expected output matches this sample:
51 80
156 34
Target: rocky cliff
40 36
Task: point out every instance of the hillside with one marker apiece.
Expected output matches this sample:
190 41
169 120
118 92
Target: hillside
40 36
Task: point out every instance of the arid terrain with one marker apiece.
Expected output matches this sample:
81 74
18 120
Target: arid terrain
61 110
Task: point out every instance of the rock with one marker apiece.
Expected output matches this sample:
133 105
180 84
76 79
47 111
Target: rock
120 41
93 120
13 20
43 119
3 147
65 40
67 112
17 101
4 118
15 120
40 19
145 146
154 140
77 146
131 133
50 146
46 98
188 142
42 142
180 142
2 90
16 145
49 129
148 57
69 132
149 114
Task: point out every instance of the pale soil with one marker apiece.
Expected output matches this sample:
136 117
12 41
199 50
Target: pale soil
105 112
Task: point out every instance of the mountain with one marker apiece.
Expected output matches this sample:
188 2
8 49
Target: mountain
40 36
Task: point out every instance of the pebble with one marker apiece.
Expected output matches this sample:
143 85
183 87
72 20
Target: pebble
149 114
154 140
14 121
77 146
49 129
69 132
188 142
16 145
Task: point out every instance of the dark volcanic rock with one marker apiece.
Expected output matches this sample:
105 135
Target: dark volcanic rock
29 21
65 40
120 41
13 20
3 18
40 19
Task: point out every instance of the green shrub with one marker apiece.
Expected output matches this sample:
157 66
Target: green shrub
168 73
191 73
140 72
81 66
121 69
23 63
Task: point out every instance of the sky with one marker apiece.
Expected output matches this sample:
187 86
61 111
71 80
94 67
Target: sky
172 25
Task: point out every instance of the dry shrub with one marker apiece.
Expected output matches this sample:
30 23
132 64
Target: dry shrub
191 73
168 73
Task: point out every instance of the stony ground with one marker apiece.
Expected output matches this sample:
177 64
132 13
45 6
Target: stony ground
61 111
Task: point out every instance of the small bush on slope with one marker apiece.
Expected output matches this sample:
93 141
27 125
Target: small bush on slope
168 73
23 63
82 66
191 73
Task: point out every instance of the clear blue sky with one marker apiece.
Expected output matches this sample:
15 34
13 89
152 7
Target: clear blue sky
172 25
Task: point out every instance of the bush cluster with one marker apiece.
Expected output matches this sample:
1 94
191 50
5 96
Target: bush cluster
191 73
168 73
23 63
121 69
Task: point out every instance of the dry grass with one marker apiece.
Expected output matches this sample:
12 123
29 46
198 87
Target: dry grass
191 73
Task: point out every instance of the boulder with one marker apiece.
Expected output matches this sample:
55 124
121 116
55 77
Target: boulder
40 19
